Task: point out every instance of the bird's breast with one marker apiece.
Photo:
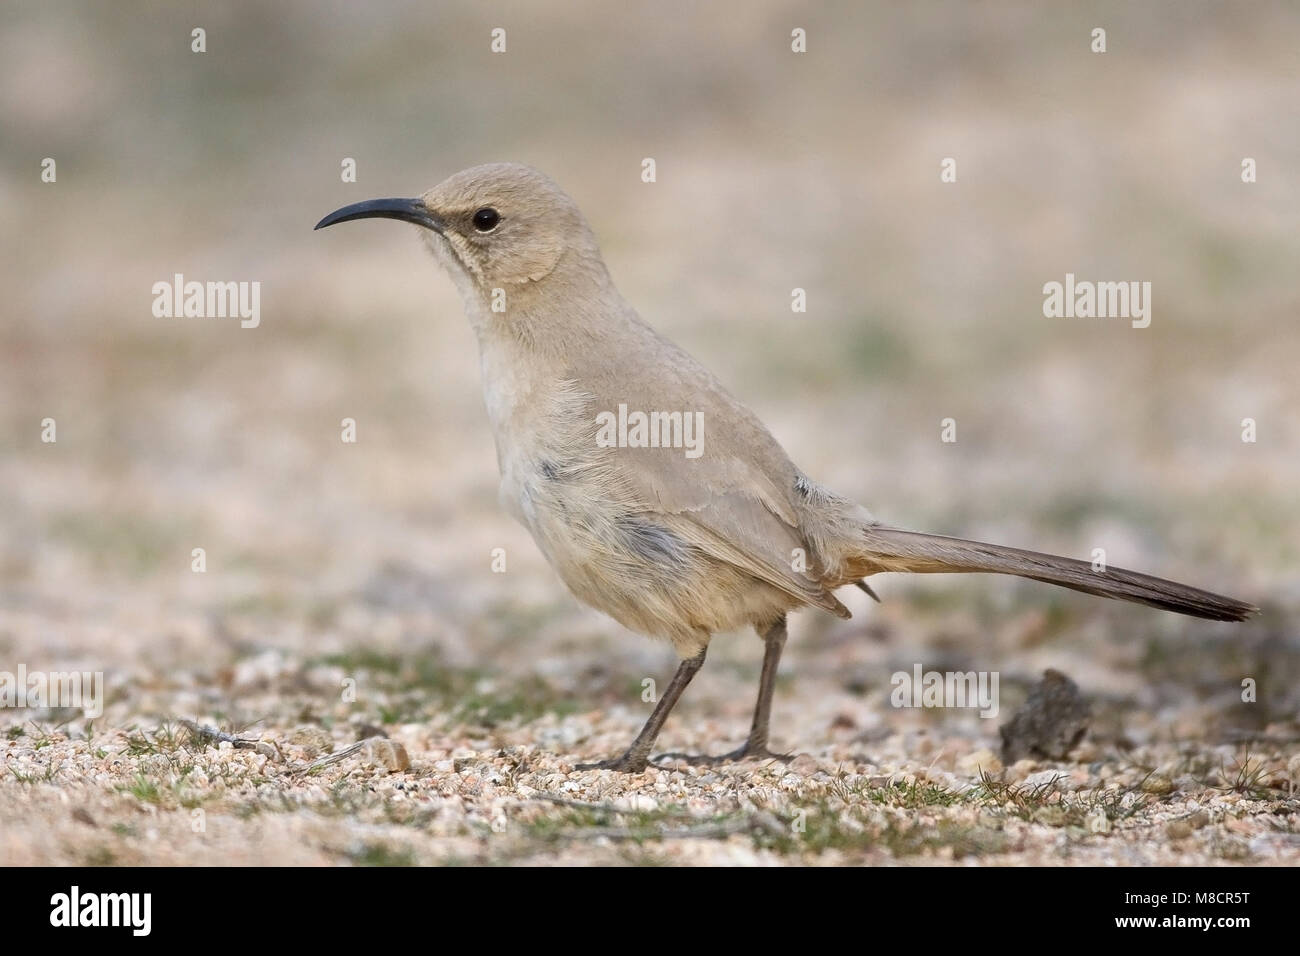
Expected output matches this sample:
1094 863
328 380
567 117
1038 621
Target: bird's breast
539 422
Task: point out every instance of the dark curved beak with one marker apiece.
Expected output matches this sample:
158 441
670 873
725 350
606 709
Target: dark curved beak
407 210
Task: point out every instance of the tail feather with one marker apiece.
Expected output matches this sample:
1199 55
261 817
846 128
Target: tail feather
891 549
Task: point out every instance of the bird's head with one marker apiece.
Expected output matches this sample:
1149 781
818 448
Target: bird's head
498 226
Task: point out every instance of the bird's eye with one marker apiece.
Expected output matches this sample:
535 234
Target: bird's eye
486 219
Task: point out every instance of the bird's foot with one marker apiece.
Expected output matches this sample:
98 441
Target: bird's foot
746 752
627 763
752 752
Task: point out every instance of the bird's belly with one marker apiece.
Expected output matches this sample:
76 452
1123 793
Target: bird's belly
631 565
571 522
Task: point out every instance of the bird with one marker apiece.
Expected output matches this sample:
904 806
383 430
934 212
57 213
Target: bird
676 543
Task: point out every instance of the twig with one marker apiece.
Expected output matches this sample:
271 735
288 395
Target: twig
205 734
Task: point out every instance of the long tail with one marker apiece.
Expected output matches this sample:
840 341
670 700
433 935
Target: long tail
890 549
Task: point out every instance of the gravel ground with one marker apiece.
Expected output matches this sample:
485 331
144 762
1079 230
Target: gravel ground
466 766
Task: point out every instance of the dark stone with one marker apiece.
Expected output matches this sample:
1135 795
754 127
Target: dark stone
1050 724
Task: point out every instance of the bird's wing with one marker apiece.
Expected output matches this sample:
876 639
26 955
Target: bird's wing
740 530
734 500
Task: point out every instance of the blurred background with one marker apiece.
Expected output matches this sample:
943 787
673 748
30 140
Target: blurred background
775 170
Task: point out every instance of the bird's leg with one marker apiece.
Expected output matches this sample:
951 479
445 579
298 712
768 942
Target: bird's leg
756 745
638 755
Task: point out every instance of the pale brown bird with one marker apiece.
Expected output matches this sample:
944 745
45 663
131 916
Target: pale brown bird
669 543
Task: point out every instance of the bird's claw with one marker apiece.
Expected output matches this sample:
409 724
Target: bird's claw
746 752
627 763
